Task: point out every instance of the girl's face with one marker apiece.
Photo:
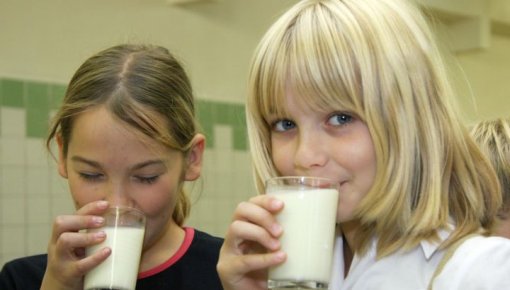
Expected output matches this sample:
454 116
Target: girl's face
333 144
107 161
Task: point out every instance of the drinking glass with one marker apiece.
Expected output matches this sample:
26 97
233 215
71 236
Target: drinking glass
308 220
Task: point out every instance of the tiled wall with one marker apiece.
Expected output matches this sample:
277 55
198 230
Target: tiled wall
32 193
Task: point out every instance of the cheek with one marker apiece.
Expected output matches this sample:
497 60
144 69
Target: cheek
158 204
158 200
83 193
368 167
362 166
281 154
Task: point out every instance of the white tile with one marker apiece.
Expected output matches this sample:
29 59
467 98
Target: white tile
223 137
224 161
208 160
13 181
13 152
13 122
38 210
38 181
61 205
13 240
58 184
210 182
36 153
38 237
218 230
242 159
203 210
13 211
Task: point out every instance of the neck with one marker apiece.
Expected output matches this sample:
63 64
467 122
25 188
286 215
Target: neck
348 233
162 247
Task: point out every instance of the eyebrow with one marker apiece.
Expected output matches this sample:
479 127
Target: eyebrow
135 167
86 161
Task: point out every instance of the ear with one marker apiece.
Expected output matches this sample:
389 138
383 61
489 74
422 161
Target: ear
194 158
62 168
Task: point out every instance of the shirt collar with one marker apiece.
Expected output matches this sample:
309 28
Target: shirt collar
430 247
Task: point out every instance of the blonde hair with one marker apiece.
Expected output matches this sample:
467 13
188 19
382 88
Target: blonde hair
377 59
140 85
493 137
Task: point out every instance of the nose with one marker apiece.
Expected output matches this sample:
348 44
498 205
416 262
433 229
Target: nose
311 152
117 194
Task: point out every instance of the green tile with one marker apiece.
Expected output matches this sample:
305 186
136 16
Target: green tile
37 122
12 93
205 112
208 131
211 113
57 93
37 95
239 117
240 139
223 113
239 126
206 121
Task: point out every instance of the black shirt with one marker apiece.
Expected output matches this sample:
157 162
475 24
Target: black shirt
193 267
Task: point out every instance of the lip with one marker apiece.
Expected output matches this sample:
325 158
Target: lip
342 184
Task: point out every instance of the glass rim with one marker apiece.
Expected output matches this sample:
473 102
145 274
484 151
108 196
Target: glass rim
301 180
124 208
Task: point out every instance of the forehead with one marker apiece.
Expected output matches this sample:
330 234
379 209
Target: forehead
98 130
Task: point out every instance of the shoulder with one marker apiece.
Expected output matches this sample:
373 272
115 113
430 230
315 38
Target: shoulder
23 273
37 262
479 247
479 263
206 244
205 238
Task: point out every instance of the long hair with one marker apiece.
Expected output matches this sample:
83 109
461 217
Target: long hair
378 59
140 85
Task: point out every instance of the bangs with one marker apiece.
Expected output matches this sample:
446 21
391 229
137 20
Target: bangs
147 121
312 62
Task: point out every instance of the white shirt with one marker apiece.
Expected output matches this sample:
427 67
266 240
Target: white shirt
478 263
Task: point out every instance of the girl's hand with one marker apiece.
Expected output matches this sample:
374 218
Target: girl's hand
67 263
251 245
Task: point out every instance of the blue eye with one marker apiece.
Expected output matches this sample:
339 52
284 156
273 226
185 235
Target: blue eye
283 125
147 179
339 119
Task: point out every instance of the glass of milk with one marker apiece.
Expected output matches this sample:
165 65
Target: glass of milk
124 228
308 220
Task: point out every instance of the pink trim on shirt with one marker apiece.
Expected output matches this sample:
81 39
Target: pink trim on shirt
189 233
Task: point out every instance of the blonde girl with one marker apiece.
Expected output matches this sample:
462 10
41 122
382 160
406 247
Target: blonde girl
356 91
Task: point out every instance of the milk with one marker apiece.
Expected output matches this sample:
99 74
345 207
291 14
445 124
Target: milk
308 221
120 269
